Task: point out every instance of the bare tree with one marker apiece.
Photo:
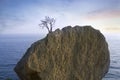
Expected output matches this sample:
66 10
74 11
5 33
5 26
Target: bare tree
48 23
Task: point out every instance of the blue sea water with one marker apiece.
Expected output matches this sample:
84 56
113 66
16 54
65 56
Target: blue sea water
114 47
13 47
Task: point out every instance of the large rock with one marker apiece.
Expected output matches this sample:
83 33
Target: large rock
78 53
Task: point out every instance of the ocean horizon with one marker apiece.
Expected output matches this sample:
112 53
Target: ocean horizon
13 47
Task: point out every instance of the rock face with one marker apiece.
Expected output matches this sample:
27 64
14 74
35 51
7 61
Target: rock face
78 53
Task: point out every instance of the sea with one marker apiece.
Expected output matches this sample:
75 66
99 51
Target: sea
13 47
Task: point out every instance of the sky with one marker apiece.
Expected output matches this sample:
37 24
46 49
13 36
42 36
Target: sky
23 16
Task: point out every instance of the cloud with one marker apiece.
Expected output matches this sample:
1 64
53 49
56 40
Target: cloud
106 19
23 16
112 29
104 14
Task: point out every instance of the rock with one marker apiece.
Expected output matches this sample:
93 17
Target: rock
73 53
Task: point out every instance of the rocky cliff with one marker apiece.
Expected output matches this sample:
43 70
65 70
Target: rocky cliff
73 53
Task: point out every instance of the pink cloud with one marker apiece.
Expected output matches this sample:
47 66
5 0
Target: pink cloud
103 14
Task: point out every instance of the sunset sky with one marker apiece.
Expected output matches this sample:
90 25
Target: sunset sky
23 16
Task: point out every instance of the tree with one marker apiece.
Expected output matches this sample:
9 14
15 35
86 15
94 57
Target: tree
48 23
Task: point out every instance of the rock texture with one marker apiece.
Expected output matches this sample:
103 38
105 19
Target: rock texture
78 53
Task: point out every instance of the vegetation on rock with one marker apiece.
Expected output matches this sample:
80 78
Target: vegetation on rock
48 23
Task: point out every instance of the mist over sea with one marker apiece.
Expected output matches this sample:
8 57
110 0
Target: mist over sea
13 47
